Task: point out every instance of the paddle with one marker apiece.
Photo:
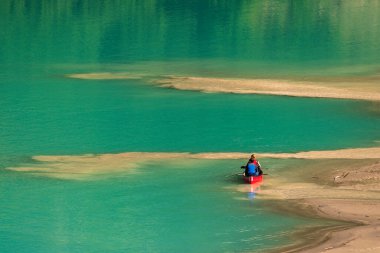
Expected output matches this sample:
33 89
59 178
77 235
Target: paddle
242 174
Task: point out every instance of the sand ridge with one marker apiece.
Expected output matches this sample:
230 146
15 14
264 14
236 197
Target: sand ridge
367 88
340 90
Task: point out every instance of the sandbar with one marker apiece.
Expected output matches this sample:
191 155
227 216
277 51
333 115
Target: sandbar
358 88
340 89
85 166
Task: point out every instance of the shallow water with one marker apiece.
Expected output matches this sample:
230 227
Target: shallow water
59 116
165 207
184 205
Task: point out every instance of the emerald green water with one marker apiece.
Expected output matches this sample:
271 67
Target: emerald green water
189 205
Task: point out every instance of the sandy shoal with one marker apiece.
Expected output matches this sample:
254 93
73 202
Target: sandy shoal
85 166
361 88
342 89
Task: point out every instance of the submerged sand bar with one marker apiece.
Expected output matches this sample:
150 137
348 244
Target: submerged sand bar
83 166
105 76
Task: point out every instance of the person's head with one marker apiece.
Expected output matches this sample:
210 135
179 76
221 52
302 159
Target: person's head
253 156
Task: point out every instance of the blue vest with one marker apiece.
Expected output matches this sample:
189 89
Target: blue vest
252 169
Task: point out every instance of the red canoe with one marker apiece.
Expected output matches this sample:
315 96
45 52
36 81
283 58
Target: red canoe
253 179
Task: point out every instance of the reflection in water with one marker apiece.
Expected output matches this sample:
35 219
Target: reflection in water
265 32
251 190
254 189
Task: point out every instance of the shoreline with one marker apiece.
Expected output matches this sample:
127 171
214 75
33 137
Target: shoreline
363 236
334 197
357 232
353 232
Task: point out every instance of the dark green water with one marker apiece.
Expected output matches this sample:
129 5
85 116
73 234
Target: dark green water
187 206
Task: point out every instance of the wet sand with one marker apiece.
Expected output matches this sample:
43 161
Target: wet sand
362 238
346 191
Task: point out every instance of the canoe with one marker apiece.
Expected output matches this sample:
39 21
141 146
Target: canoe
253 179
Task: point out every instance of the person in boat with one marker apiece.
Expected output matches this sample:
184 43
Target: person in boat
253 167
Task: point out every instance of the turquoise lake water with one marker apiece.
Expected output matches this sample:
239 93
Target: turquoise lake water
187 205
